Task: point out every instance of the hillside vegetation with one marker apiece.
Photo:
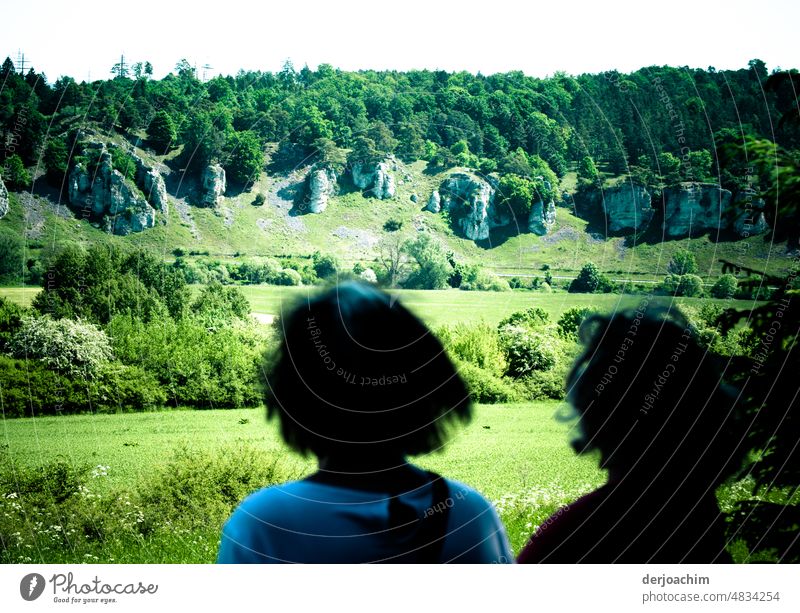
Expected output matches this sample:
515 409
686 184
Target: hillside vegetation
545 138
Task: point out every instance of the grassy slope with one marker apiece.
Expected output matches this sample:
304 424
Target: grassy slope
352 224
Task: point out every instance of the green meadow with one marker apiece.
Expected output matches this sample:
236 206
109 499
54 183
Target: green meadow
448 306
517 455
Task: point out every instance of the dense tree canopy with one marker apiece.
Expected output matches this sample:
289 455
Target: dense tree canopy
617 120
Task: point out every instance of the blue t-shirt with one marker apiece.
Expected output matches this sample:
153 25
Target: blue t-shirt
311 522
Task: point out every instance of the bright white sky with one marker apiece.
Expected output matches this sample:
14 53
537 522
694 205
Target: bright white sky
85 38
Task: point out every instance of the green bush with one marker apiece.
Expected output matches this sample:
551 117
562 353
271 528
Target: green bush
245 156
162 132
590 280
217 306
392 225
196 366
527 351
433 268
61 512
725 287
11 315
486 387
196 487
31 389
476 344
534 317
287 276
105 280
71 347
121 389
682 263
11 256
682 285
15 175
473 277
545 385
325 266
570 321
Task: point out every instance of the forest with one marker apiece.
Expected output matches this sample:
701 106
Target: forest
621 121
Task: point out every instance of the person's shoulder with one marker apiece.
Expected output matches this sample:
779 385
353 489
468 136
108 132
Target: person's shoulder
467 498
270 500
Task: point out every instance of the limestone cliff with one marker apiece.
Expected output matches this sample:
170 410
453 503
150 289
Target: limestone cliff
470 200
105 194
212 185
691 209
542 217
375 179
3 199
320 186
626 207
434 204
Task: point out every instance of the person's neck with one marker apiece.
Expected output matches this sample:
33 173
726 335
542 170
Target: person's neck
376 473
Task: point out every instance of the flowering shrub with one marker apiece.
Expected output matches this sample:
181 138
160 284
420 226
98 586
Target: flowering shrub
528 351
70 347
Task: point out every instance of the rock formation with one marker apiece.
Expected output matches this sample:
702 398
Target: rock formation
470 200
542 217
627 207
155 190
686 209
107 195
213 185
3 199
696 208
375 179
320 186
750 218
149 179
434 204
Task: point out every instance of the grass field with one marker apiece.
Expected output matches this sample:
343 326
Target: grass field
437 307
522 444
516 455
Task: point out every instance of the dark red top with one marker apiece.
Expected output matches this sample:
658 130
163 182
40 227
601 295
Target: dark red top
621 524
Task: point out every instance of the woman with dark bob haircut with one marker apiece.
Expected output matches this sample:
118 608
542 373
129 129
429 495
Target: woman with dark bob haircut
651 401
361 383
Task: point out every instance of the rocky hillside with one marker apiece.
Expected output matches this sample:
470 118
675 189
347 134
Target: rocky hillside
680 211
116 188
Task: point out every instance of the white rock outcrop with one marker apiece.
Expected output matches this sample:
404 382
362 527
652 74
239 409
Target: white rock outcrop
213 185
434 204
320 187
107 195
696 208
469 200
689 209
627 207
3 199
542 217
155 190
375 179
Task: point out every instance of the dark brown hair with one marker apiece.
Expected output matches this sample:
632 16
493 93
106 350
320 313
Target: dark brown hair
356 372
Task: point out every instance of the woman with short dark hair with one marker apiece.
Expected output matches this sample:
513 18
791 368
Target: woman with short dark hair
651 402
361 383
